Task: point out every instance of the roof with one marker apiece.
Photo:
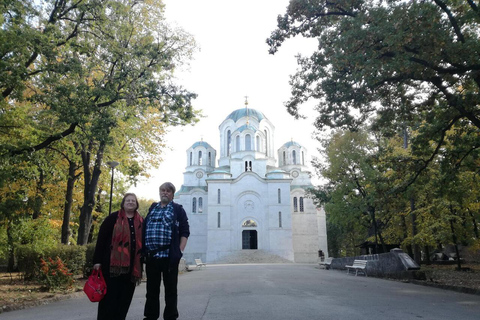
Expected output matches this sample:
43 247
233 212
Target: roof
201 144
291 143
240 113
245 127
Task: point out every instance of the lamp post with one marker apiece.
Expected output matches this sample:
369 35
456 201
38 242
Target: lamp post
111 164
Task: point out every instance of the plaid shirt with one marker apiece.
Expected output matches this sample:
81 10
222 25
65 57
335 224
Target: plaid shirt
158 230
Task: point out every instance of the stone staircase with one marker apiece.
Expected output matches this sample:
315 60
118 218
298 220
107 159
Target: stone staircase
252 256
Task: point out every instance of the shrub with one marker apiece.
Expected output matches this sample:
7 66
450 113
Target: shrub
72 255
54 274
28 257
27 260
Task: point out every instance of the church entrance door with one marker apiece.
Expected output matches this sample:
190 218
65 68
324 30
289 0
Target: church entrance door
249 239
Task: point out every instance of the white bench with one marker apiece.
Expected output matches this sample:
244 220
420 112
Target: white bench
200 264
326 263
358 265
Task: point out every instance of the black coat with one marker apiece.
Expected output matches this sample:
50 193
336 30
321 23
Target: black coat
103 247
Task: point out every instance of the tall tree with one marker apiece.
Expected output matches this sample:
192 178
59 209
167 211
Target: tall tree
369 52
84 68
354 188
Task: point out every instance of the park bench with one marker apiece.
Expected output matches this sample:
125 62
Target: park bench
199 263
358 265
326 263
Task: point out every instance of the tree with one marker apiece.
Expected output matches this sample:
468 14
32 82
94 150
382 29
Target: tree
83 71
353 194
370 53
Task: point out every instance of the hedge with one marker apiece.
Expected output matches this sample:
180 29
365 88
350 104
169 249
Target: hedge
28 258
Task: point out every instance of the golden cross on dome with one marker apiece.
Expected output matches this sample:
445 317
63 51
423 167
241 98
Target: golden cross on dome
246 107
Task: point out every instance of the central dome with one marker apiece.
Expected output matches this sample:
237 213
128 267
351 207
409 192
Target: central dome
251 113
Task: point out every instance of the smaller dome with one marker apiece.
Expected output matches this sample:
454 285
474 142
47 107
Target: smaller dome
245 127
201 144
291 144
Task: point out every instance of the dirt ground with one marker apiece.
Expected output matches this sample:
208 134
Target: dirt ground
15 293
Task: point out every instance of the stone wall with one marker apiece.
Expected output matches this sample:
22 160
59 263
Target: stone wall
396 263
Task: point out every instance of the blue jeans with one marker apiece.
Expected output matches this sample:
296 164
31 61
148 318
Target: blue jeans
157 269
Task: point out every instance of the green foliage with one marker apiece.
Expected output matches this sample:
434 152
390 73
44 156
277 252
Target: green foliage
398 70
82 82
54 275
28 257
74 257
395 64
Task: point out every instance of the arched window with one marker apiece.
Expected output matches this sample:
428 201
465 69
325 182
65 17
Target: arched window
229 142
200 205
191 158
218 220
301 204
249 223
194 205
295 204
257 147
284 158
279 196
279 219
303 158
218 196
237 143
248 142
209 158
294 157
248 165
200 160
266 142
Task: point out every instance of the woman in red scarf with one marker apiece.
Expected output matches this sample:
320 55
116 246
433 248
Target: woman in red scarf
117 254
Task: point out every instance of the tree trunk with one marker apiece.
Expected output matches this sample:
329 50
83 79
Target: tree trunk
454 238
10 245
427 255
382 241
40 193
371 210
91 182
474 221
410 249
68 201
416 248
405 236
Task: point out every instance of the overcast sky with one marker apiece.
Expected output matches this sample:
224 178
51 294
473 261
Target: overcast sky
233 62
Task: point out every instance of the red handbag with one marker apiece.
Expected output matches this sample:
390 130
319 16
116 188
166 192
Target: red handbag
95 288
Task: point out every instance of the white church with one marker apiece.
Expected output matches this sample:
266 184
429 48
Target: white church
254 198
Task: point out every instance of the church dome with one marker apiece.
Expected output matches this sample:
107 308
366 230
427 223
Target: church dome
240 113
291 144
201 144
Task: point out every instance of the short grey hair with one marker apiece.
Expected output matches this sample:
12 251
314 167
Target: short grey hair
169 186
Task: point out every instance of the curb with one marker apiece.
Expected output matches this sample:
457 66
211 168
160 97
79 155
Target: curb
446 287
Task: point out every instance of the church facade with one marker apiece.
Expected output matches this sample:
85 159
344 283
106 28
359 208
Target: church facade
254 198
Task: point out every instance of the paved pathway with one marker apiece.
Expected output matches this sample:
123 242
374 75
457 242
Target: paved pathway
281 292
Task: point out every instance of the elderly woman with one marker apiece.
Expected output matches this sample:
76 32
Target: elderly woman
117 254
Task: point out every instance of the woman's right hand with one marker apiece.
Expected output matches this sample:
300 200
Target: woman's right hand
97 266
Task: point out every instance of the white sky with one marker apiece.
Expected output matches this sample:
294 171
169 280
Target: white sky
233 62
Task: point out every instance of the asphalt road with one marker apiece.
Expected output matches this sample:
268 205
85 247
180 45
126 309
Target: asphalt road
281 292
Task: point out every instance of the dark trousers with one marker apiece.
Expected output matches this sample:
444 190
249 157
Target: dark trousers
115 304
156 270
